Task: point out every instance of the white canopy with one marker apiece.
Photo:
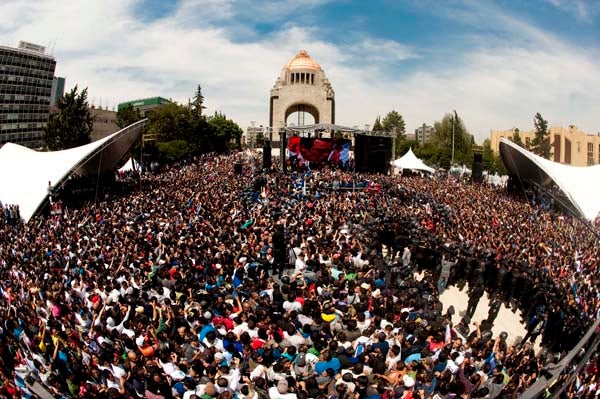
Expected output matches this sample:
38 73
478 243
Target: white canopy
580 184
410 161
131 164
28 176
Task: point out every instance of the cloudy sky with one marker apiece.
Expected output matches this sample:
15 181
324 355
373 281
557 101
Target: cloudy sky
497 63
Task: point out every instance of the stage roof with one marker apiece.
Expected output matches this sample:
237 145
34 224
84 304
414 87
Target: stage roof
28 176
325 126
580 184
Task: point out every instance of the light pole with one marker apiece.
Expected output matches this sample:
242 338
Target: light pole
453 123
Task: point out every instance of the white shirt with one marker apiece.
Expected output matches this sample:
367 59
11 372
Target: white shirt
299 267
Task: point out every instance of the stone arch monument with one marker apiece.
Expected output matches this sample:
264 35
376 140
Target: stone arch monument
302 87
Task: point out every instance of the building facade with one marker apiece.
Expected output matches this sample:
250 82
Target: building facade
568 145
424 133
144 105
302 87
26 76
105 123
255 136
58 90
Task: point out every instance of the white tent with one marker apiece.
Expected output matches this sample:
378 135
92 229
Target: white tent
130 165
410 161
28 176
580 184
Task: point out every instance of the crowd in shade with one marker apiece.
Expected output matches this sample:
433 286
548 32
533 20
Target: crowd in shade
202 283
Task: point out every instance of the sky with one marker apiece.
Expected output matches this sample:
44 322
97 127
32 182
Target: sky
496 63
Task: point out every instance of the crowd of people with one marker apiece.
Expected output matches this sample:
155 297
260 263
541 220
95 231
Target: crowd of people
202 283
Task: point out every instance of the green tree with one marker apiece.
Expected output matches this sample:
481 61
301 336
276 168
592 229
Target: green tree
377 126
488 156
128 115
442 141
226 134
171 122
174 150
259 139
517 138
72 125
394 123
197 104
540 144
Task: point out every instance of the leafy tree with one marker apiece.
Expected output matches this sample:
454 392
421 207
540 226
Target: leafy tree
541 141
492 162
377 126
197 104
128 115
226 133
183 131
72 125
442 140
171 122
517 138
259 139
174 150
393 122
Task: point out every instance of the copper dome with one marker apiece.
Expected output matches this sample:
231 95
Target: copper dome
303 61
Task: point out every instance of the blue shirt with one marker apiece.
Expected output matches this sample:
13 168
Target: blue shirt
332 364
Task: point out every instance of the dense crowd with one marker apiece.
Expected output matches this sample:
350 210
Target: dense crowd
200 283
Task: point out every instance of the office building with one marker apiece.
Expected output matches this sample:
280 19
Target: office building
145 105
567 145
26 75
58 90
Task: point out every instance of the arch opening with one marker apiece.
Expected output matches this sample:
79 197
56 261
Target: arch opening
301 114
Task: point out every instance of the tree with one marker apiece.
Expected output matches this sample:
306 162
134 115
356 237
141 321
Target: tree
128 115
394 123
377 126
442 140
225 132
540 144
174 150
517 138
72 125
197 104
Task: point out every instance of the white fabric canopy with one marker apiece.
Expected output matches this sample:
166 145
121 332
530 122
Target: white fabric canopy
130 165
580 184
28 176
410 161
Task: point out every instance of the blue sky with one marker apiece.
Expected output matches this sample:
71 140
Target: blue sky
496 62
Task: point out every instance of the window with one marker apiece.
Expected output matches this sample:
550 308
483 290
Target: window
590 154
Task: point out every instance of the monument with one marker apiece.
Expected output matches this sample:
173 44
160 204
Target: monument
302 87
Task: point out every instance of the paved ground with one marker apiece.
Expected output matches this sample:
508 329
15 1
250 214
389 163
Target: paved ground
506 320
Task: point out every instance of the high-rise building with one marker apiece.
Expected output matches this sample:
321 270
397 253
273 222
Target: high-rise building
58 90
26 75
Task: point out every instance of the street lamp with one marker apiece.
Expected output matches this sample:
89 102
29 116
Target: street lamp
454 117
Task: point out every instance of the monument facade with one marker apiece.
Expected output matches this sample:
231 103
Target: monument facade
302 87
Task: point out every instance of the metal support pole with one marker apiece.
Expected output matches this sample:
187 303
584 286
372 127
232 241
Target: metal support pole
453 123
282 148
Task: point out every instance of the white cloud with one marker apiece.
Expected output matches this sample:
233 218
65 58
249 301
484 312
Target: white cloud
583 10
496 84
